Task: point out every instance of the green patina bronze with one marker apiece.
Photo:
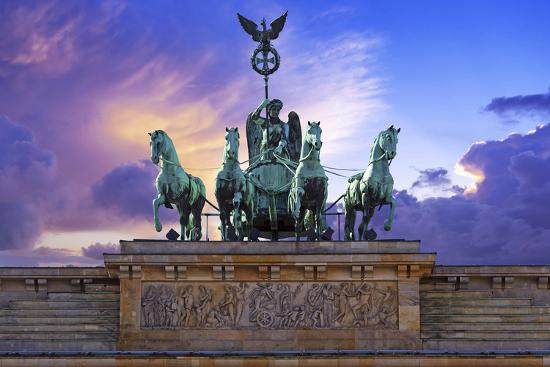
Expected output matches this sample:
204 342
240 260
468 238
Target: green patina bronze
234 192
373 187
309 188
274 151
283 191
175 186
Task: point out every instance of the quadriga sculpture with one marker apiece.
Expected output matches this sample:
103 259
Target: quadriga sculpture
175 186
373 187
233 190
309 187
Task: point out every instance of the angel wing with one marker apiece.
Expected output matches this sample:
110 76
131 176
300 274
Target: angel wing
253 139
277 26
294 136
251 28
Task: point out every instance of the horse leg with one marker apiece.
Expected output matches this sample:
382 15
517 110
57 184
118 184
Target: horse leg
196 212
389 222
184 221
223 222
248 215
367 214
349 221
299 223
317 219
182 225
159 200
237 222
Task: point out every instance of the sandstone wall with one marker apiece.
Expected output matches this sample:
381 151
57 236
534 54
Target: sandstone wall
486 308
58 309
462 308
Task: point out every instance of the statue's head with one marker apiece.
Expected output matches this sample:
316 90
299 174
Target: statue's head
232 142
313 134
156 140
387 140
274 107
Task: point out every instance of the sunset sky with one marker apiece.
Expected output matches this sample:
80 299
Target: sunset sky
82 82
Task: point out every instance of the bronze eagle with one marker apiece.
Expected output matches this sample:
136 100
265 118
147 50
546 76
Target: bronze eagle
265 35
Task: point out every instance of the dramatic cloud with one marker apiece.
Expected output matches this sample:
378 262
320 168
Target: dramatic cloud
432 177
97 250
521 104
26 173
20 225
128 190
503 221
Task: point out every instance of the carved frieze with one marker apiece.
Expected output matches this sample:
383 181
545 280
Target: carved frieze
275 305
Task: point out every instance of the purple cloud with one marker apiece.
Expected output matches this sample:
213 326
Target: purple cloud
97 250
505 221
432 177
26 173
20 225
531 103
127 190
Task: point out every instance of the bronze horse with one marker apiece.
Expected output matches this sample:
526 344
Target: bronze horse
309 188
175 186
234 192
373 187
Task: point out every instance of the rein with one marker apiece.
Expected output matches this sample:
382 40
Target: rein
170 162
308 154
382 156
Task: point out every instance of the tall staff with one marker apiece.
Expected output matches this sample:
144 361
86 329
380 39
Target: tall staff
265 59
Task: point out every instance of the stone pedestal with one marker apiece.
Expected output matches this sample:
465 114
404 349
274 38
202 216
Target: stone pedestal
269 296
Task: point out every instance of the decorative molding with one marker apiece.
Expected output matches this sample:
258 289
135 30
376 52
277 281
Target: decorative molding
30 285
42 285
174 272
508 282
266 272
543 283
356 272
362 271
463 282
130 272
124 271
170 272
223 271
309 272
408 271
263 272
275 272
312 272
36 285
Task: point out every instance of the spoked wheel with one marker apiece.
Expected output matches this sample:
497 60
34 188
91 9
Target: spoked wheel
264 319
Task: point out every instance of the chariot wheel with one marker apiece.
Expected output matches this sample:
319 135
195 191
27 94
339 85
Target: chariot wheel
264 319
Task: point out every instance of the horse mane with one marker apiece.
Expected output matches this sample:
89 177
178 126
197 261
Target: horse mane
166 136
373 147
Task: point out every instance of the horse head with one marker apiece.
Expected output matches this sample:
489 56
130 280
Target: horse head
156 141
313 135
231 144
387 141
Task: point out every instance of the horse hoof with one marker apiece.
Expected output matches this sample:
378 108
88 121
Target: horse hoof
371 235
387 226
158 227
